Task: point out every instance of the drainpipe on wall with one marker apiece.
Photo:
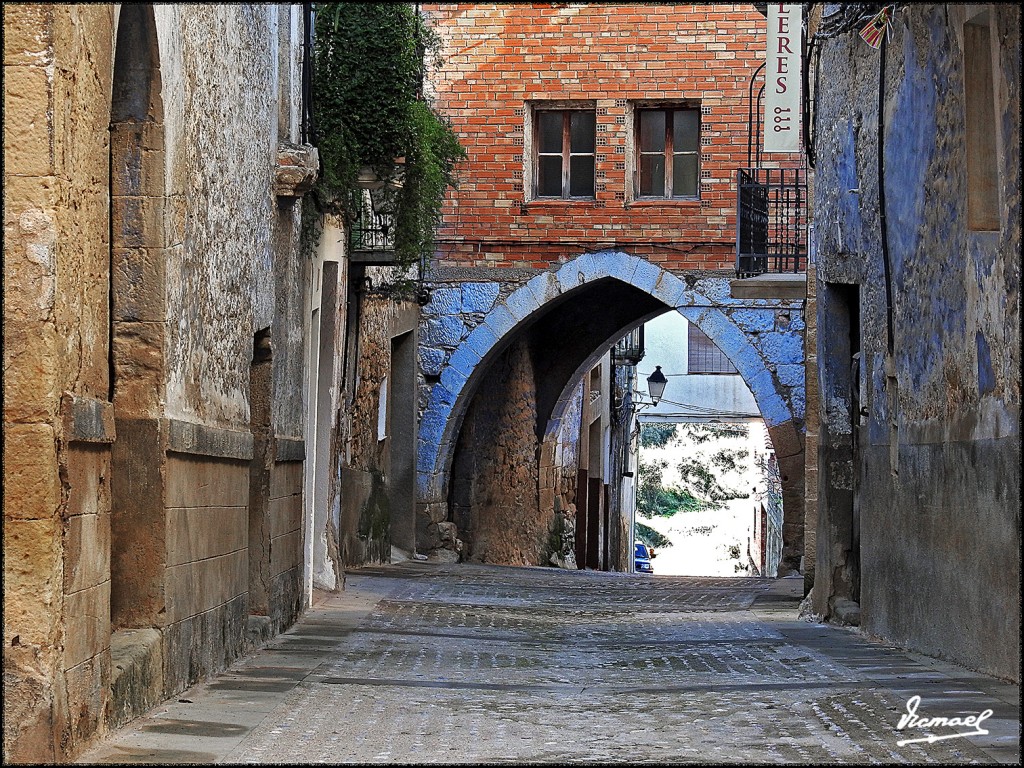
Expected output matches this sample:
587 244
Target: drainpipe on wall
892 384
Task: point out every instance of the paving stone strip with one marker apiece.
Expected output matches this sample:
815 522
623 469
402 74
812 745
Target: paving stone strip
422 663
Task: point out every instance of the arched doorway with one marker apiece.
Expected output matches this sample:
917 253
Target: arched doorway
137 323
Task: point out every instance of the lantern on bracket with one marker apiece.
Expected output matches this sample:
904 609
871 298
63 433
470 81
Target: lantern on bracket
656 384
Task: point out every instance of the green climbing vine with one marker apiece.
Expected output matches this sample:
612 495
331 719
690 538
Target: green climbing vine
369 111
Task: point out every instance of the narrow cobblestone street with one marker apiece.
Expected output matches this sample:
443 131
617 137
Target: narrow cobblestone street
471 664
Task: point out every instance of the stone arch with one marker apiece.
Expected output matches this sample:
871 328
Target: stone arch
733 342
137 322
466 367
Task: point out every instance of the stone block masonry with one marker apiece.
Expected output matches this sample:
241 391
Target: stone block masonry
146 246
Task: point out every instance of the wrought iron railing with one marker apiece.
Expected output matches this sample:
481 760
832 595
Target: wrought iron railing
771 221
371 236
629 350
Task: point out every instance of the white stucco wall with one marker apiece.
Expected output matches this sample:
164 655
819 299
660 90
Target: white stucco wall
704 396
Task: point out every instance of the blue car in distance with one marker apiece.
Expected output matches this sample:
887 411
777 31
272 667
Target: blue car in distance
642 558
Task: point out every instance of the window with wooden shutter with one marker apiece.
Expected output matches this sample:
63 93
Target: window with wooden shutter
704 356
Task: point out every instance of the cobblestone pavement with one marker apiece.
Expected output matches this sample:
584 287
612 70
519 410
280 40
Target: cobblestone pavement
423 663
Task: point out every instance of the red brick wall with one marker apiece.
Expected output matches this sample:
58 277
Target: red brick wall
500 57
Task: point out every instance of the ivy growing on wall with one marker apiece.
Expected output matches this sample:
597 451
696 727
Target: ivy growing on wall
369 111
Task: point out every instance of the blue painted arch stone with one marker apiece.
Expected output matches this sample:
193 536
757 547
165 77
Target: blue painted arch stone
463 323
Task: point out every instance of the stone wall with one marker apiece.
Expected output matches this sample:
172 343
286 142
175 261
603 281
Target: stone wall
919 514
374 445
145 227
494 484
812 419
57 64
86 613
559 469
285 536
207 566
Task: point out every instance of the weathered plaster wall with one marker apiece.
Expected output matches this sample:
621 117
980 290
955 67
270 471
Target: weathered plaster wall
199 301
328 309
290 269
367 449
937 466
291 275
221 154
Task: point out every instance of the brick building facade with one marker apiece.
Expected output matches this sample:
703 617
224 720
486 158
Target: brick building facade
504 65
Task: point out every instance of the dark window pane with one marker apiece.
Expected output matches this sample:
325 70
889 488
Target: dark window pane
652 130
581 176
549 176
684 176
581 132
685 130
652 175
549 131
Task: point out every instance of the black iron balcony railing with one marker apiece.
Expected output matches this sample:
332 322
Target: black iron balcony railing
629 350
771 221
371 236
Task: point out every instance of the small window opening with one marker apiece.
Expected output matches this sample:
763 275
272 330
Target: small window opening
703 355
565 149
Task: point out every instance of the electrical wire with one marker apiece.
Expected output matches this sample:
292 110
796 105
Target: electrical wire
704 410
696 410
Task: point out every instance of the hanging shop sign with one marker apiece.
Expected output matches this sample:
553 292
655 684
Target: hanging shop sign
782 79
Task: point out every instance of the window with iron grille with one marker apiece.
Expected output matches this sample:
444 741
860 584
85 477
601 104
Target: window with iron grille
668 152
704 356
564 153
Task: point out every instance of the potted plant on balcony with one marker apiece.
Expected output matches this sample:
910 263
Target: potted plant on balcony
375 130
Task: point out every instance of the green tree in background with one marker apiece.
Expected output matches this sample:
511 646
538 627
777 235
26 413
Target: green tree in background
656 435
651 537
653 497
